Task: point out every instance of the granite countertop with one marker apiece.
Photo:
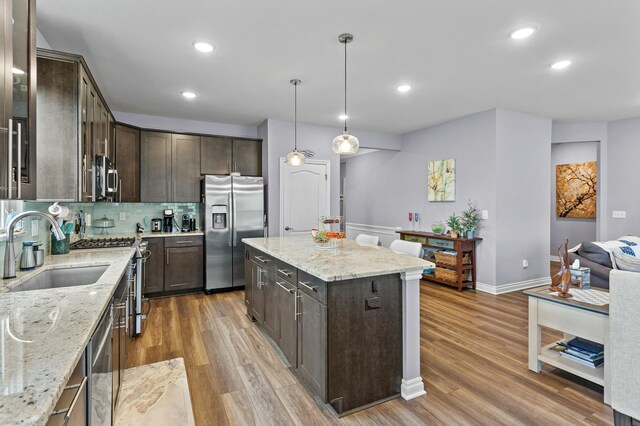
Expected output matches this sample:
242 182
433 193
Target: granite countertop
348 260
169 234
44 333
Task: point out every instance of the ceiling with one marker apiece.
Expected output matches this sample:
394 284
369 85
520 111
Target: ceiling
455 54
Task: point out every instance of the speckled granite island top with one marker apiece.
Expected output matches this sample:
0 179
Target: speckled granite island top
44 333
348 260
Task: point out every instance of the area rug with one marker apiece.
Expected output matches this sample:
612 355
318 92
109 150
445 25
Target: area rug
155 394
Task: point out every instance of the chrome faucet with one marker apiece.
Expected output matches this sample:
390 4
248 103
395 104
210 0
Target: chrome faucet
9 251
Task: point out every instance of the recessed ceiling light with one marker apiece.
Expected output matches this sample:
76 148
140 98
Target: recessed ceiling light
189 95
403 88
343 117
560 65
17 71
523 32
203 46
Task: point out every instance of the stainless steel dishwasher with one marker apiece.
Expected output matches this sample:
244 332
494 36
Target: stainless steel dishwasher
101 372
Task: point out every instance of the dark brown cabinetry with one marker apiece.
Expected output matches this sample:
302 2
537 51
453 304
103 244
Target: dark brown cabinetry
169 167
221 156
17 99
176 264
154 267
350 358
127 162
73 124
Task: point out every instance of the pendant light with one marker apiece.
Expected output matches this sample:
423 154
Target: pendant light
345 143
295 158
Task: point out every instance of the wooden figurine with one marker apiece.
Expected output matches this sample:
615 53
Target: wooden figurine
565 279
555 280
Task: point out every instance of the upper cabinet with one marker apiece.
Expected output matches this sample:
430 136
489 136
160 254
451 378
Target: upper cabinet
18 103
222 156
170 167
74 125
127 161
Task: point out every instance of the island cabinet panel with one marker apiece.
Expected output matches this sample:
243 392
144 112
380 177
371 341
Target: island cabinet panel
257 293
287 320
312 344
270 317
364 341
248 279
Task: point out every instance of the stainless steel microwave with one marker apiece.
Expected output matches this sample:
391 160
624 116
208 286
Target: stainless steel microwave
106 178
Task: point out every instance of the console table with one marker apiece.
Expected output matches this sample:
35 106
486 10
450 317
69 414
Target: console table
573 318
464 267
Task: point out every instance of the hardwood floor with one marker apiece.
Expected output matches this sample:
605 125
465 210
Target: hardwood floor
474 363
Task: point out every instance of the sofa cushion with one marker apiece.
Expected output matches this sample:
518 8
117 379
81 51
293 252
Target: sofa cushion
627 262
595 254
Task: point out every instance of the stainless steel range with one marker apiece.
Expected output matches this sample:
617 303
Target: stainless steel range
93 243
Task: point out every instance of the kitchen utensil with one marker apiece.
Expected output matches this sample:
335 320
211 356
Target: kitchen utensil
38 253
27 258
156 225
59 247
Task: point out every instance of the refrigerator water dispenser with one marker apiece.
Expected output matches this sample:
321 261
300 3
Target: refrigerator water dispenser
219 216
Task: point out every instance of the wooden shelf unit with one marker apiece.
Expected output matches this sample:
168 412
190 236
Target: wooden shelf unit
465 273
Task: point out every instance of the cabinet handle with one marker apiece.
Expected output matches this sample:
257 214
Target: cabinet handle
306 284
284 271
120 189
229 166
166 256
295 307
184 242
19 173
262 260
235 166
288 290
68 411
10 165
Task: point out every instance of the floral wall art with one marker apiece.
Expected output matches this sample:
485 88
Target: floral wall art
441 180
576 190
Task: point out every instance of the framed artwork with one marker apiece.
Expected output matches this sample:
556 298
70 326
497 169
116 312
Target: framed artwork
576 190
441 180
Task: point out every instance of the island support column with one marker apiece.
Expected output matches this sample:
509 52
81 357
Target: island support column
412 385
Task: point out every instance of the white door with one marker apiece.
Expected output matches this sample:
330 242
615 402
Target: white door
304 196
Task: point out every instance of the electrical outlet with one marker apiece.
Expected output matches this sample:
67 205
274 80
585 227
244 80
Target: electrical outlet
525 263
485 214
122 216
619 214
35 227
87 219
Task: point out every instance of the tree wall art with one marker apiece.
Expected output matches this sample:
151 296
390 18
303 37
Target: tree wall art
576 190
441 180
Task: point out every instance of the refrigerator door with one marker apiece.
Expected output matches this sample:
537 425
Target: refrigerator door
247 218
218 232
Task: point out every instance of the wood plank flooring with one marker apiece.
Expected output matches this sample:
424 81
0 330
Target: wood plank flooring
474 363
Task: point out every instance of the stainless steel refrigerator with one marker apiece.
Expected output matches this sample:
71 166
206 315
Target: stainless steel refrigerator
234 209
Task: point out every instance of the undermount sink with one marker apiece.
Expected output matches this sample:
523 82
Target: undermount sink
67 277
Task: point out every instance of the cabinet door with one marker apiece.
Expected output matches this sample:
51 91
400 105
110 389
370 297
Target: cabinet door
87 102
247 157
183 268
288 319
99 134
216 156
312 344
271 294
127 162
155 167
154 267
185 168
248 279
111 138
257 293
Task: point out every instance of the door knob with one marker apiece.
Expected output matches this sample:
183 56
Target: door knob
287 228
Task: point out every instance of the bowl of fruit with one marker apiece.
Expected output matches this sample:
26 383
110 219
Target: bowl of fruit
323 239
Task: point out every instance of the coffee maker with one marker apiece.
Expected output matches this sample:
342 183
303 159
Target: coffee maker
167 222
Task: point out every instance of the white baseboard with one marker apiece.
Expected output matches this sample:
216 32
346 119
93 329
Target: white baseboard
508 288
553 258
412 388
386 233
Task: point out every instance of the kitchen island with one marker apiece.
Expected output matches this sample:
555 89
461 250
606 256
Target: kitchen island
45 332
346 319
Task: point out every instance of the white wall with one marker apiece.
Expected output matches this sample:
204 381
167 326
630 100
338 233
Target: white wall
576 229
279 138
183 125
622 188
382 187
41 41
522 197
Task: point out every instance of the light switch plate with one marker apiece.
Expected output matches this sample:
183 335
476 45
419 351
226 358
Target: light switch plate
485 214
35 227
122 216
619 214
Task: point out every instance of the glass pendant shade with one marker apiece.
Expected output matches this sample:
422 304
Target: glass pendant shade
345 144
295 159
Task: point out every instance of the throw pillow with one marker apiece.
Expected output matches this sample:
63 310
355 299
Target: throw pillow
626 262
595 254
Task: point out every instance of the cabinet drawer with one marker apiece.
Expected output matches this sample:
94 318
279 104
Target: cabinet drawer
262 259
416 239
312 286
287 272
195 240
434 242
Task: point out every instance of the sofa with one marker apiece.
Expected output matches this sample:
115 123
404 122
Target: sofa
624 340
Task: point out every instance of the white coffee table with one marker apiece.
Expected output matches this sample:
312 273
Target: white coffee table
573 318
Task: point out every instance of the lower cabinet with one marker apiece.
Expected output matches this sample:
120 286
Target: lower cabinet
175 264
342 338
72 407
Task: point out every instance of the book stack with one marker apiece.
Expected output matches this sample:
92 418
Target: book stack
582 350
